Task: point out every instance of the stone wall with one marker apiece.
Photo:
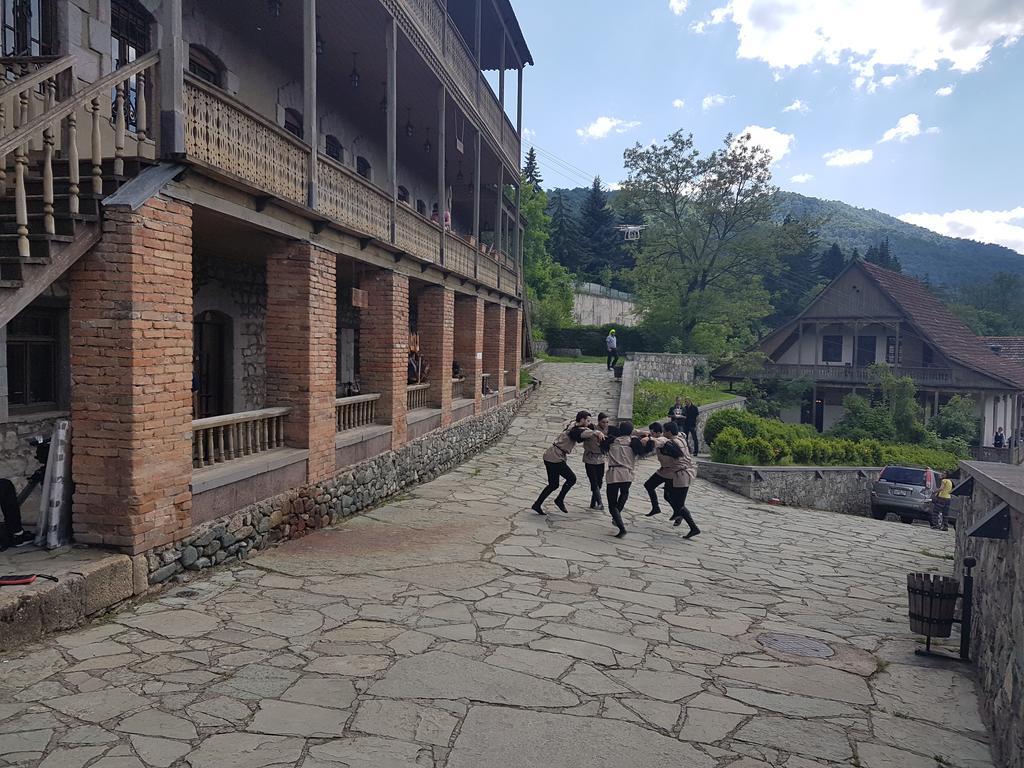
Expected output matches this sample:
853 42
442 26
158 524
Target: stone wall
302 510
668 367
598 305
832 489
997 632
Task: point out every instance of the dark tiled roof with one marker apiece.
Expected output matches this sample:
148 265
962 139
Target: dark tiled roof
943 329
1012 346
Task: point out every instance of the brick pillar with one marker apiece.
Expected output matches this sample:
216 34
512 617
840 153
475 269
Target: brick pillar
513 343
494 346
469 344
301 338
384 348
131 371
437 328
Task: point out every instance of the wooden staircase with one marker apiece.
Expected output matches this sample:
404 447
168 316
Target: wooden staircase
51 199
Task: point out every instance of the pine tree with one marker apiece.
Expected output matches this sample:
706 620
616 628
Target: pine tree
564 243
531 171
882 255
600 239
832 262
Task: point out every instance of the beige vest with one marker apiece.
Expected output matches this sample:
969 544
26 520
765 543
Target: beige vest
561 448
621 461
684 468
592 453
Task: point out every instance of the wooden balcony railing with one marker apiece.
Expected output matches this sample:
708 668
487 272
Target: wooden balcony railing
431 19
223 133
417 396
853 374
459 256
487 270
458 389
461 64
220 439
417 235
355 412
352 201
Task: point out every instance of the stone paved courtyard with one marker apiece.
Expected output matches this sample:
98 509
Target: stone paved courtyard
455 628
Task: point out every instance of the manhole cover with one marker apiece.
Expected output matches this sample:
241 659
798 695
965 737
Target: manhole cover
186 593
795 645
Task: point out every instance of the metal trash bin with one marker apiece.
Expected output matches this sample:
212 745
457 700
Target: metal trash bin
618 371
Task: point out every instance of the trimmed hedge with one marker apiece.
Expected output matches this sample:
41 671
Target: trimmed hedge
590 339
751 440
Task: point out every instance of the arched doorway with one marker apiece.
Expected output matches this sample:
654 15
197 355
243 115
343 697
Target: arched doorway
211 374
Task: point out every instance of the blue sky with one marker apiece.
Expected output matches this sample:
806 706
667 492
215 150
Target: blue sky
913 107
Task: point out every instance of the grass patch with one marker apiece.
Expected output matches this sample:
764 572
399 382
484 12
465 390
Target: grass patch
525 379
581 359
939 555
652 399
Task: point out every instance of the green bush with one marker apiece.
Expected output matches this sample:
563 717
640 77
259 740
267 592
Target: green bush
652 399
742 438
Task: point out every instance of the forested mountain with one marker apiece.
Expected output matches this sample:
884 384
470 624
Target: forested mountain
923 253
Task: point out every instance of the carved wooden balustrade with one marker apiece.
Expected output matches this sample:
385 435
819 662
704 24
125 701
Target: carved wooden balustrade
487 270
352 201
459 256
114 106
220 439
417 235
355 412
417 396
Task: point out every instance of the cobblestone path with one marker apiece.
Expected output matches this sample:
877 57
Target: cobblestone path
455 628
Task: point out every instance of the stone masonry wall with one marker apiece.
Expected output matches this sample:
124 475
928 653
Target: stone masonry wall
832 489
997 632
667 367
302 510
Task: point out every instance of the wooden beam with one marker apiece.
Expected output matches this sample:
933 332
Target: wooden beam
172 81
391 46
310 122
442 142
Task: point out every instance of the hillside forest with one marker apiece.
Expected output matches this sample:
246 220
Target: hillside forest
726 256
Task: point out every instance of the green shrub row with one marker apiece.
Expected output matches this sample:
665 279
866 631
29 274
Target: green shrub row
590 339
750 440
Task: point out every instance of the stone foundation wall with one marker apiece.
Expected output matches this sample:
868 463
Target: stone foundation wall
668 367
351 490
997 631
832 489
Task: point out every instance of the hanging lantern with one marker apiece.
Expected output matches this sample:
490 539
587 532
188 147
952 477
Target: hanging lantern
319 45
354 77
459 177
410 129
426 144
274 8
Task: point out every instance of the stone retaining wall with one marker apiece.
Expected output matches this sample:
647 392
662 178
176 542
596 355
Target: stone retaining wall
303 510
832 489
667 367
997 632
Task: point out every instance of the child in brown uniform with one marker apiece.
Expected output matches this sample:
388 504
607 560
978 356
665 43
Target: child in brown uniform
622 447
556 466
594 459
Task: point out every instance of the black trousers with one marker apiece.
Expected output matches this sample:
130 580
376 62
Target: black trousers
10 507
689 431
651 486
618 493
677 498
613 359
556 471
595 474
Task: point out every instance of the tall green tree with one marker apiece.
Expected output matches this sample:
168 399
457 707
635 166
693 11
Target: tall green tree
832 262
883 256
565 233
549 285
531 171
798 279
702 263
600 238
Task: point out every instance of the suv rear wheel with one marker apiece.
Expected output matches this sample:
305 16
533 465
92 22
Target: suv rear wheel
908 519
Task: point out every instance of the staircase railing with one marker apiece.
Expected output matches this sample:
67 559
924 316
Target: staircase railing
129 79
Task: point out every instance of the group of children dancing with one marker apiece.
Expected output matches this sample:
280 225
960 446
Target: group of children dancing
609 455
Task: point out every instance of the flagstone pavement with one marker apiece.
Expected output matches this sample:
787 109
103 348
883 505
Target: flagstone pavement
455 628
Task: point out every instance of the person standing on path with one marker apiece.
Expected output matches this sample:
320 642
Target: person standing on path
683 470
622 446
677 412
611 343
940 504
556 465
689 427
594 459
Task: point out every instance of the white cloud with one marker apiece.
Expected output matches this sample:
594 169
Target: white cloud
614 186
777 143
798 106
603 127
713 100
906 127
678 103
1002 227
529 134
933 129
678 7
699 27
801 178
946 90
909 36
844 157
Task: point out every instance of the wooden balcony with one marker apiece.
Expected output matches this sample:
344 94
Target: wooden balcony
235 143
851 374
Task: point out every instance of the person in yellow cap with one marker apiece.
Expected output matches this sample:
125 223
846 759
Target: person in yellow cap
612 344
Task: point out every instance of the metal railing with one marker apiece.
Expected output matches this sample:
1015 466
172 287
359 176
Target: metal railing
458 389
417 396
355 412
219 439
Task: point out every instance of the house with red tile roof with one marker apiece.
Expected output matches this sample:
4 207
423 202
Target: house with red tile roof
868 316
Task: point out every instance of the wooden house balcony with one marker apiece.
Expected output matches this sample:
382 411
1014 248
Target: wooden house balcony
854 375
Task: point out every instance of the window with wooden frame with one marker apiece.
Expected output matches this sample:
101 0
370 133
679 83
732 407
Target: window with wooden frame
205 66
29 27
33 346
832 349
293 122
332 147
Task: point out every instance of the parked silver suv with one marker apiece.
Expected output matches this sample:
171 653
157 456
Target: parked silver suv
906 492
